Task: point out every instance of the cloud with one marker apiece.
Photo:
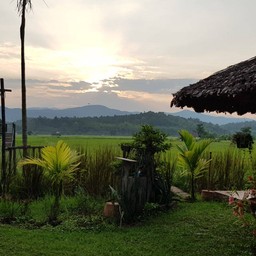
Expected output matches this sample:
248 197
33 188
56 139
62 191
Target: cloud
144 39
161 86
124 94
132 54
153 86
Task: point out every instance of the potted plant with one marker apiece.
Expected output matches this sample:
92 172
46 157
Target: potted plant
112 206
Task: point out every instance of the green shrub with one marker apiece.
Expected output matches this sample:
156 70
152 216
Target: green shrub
9 211
86 204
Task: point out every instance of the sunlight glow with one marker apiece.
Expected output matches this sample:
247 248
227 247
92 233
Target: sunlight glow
142 96
92 64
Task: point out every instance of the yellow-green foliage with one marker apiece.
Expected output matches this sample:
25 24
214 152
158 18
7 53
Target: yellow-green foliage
58 162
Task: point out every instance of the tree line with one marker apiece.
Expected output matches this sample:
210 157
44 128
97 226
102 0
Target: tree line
118 125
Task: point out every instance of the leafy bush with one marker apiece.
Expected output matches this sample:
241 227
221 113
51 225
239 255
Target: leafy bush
9 211
86 204
243 139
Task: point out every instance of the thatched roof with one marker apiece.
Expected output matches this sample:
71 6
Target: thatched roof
230 90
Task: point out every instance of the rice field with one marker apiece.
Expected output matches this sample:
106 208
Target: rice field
99 141
90 142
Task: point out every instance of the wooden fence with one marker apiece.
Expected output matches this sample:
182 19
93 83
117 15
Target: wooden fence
12 156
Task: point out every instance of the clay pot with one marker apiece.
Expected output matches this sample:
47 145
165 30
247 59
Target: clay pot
111 209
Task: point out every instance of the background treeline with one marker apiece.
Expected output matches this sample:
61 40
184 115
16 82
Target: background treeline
126 125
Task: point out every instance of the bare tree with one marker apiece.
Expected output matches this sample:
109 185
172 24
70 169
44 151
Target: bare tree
22 7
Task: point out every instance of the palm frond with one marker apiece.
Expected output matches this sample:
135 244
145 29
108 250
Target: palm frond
59 162
187 138
27 4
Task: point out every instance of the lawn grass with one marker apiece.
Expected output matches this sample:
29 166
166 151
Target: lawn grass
194 229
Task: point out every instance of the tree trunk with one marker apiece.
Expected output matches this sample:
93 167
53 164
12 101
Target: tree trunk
193 197
55 208
150 170
23 79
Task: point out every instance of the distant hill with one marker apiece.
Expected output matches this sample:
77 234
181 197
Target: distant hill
100 120
220 120
116 125
232 128
14 114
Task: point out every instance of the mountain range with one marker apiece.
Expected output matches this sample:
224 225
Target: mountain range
14 114
220 120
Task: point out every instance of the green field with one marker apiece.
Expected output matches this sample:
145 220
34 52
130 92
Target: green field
75 141
92 143
96 141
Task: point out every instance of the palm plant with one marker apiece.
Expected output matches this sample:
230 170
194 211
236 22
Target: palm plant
22 7
59 164
190 158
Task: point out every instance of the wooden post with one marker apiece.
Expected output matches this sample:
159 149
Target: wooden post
209 172
133 188
3 137
14 151
3 180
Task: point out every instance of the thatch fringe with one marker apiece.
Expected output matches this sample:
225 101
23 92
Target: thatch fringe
230 90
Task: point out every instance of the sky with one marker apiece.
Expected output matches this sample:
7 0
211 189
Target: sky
125 54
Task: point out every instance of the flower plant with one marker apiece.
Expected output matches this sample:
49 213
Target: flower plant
245 208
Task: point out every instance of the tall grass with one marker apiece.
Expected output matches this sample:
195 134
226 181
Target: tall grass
228 170
96 170
30 183
26 182
95 174
166 168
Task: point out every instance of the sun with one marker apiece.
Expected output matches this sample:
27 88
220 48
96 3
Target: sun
95 64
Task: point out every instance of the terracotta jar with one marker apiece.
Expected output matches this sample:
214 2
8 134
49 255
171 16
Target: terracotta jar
111 209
